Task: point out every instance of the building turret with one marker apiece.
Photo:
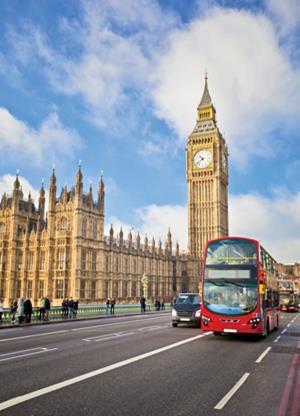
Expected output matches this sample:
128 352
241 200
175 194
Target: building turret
130 239
138 241
153 245
121 238
17 192
52 192
79 182
42 202
146 243
90 195
168 243
111 235
101 196
177 248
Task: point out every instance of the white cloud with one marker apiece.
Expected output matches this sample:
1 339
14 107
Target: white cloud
52 139
273 221
250 76
114 40
287 13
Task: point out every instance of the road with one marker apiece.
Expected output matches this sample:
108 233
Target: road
140 365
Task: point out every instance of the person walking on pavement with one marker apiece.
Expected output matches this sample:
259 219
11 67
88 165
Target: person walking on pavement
71 308
143 304
27 310
107 306
42 309
112 306
21 313
76 304
47 309
1 312
64 308
13 310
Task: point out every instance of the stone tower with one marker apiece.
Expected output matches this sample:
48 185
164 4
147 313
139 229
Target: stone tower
207 177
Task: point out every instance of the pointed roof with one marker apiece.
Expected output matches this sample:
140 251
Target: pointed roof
206 99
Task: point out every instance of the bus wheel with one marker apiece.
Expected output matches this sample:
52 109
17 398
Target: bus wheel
217 333
277 324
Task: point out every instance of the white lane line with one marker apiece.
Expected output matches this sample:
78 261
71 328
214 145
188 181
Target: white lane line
277 339
29 354
114 323
288 325
150 328
262 356
76 329
34 335
20 351
231 392
69 382
106 337
284 331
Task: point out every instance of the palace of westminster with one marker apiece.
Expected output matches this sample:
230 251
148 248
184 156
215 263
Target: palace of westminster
65 253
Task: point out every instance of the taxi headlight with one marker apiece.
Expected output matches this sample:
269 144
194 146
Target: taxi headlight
174 313
198 313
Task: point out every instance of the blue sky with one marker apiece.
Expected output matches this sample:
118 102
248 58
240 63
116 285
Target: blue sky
116 85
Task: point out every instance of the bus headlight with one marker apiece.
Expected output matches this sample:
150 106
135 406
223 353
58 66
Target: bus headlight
174 313
198 313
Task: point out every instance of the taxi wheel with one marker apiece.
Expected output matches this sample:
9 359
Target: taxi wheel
174 324
217 333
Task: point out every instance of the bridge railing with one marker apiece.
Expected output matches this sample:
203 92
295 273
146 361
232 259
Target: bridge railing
84 311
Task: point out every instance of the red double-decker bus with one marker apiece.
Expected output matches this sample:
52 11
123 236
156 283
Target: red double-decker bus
288 295
240 291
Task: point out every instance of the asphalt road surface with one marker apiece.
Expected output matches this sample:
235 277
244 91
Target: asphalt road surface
141 365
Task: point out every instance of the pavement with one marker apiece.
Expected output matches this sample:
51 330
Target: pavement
140 365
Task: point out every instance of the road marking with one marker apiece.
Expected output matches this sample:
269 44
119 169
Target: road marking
106 337
113 324
284 331
74 380
288 325
17 355
277 339
231 392
150 328
76 329
34 335
285 399
262 356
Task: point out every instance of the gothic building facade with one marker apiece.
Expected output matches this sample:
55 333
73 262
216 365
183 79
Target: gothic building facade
67 254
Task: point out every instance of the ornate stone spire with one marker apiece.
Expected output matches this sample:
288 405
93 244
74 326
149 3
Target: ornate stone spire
101 194
79 178
205 100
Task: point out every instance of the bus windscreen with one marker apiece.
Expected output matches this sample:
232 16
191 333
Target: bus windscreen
231 252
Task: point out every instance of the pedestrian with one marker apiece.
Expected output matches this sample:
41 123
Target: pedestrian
107 306
42 309
21 313
47 309
143 304
71 308
27 310
13 310
1 312
162 304
156 304
64 308
76 305
112 306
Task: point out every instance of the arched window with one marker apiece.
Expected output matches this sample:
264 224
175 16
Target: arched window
2 228
95 230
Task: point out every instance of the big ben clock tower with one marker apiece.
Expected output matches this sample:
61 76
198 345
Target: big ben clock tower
207 177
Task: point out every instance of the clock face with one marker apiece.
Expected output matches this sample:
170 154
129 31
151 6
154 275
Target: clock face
202 159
